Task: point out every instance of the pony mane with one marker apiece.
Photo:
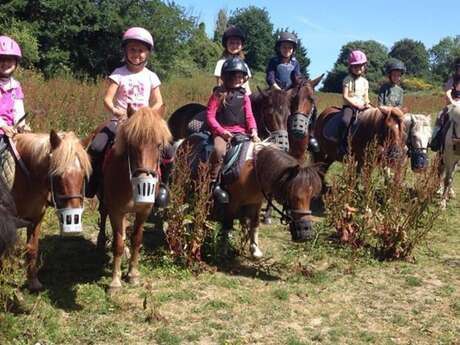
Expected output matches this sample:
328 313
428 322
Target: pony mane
63 157
273 166
145 126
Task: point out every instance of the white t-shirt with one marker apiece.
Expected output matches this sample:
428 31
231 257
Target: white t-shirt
134 88
218 72
357 88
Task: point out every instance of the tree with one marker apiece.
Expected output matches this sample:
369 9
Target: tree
301 52
221 25
255 22
376 54
203 52
413 54
442 56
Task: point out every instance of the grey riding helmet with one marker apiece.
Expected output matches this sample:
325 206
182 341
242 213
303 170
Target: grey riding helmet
395 65
234 64
286 37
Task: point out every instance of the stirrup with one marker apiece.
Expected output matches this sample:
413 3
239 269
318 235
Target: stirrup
313 145
220 195
162 198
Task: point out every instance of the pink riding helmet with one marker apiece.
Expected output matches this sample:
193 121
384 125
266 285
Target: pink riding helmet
9 47
357 57
138 34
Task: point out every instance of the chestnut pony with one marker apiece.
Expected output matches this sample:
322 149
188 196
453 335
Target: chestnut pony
52 173
131 169
387 129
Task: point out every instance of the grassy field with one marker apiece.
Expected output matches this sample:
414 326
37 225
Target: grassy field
313 293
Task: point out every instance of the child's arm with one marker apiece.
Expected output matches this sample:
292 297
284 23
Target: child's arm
108 100
214 125
450 100
156 99
250 120
270 75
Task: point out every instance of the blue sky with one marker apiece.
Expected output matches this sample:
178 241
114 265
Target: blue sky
325 25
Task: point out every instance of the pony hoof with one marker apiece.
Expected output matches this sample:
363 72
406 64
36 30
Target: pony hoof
443 205
256 253
267 221
35 286
127 253
134 280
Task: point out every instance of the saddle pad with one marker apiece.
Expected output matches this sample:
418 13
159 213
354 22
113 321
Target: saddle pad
331 129
198 123
233 162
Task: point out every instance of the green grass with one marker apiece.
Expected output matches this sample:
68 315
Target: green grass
312 293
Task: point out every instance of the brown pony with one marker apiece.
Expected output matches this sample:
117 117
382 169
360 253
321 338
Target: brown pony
271 111
52 173
272 171
303 111
387 129
131 181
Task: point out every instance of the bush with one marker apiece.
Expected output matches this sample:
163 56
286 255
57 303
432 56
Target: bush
187 214
416 84
387 213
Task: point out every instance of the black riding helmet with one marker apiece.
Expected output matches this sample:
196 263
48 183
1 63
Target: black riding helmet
234 64
286 37
395 65
233 31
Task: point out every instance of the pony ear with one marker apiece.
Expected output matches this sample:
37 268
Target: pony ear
162 111
316 81
55 140
263 93
295 79
290 173
130 110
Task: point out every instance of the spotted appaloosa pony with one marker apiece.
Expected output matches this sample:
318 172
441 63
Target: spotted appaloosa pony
292 184
387 129
418 135
56 165
130 179
9 220
450 153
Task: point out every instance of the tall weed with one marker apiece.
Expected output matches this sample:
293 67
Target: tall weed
386 211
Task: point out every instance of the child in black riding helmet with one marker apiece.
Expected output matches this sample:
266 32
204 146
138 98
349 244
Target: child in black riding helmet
233 41
280 67
229 113
391 93
452 89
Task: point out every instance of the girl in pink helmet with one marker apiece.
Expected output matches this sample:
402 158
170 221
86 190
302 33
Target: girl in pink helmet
355 93
11 95
133 83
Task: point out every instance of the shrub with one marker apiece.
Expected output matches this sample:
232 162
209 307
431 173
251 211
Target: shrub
388 213
188 225
416 84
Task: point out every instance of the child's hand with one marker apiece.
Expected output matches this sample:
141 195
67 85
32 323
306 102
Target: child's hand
255 138
9 131
227 135
120 113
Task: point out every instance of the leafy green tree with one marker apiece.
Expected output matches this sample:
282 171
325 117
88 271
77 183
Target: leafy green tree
24 34
203 52
442 57
377 55
413 54
255 22
221 25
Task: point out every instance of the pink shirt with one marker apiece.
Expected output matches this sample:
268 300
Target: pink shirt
11 102
217 129
134 88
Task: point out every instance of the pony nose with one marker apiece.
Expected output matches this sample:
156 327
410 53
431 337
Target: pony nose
301 230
